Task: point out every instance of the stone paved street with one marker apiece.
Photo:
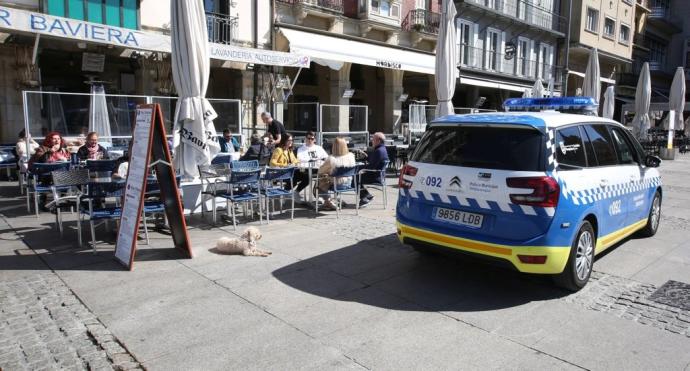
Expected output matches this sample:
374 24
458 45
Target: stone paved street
335 294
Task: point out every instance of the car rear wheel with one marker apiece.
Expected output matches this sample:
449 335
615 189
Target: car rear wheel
654 217
581 260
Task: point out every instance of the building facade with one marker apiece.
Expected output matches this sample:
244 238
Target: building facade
373 53
606 25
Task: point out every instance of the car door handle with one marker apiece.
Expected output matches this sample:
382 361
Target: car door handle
603 183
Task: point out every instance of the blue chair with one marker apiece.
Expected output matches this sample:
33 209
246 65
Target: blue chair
338 190
101 169
8 160
39 181
381 184
244 165
274 181
224 158
96 212
244 186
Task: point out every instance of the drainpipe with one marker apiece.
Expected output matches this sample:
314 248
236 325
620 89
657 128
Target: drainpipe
567 50
256 77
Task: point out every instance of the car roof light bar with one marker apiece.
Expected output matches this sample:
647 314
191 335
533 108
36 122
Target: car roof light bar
580 105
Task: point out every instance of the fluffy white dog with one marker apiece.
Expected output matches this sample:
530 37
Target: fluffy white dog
245 245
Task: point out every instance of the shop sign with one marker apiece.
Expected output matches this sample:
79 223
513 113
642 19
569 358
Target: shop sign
389 64
21 20
257 56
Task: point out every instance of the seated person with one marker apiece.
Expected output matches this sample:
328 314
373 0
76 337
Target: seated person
92 150
284 156
228 143
52 150
25 149
257 151
376 158
340 157
310 151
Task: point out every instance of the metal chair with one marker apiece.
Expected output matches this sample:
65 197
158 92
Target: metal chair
38 181
99 190
274 181
339 190
8 160
213 183
244 186
222 159
66 187
101 169
381 184
244 165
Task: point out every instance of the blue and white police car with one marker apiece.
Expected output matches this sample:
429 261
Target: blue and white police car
542 190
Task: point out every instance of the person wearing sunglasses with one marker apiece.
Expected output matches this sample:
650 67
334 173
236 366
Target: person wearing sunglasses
284 156
310 151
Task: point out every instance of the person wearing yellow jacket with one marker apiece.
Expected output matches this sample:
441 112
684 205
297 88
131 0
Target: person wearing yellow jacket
284 156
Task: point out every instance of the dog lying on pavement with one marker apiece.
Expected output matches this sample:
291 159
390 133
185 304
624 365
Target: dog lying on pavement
245 245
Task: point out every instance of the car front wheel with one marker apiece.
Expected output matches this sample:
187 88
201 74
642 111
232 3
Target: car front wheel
580 261
654 217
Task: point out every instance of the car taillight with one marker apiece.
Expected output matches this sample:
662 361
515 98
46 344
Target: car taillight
545 191
406 170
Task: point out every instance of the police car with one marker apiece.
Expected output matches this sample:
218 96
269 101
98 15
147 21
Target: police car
542 190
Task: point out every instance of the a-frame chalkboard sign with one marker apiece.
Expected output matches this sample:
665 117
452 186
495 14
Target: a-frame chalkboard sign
149 148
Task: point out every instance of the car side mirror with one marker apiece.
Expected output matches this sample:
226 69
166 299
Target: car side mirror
652 161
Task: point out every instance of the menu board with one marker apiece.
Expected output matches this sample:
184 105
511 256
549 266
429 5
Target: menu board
149 145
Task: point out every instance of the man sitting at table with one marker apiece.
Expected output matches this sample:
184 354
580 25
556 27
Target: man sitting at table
375 161
92 150
310 151
228 143
257 151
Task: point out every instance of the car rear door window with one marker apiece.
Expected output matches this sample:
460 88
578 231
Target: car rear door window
493 147
624 150
570 151
602 144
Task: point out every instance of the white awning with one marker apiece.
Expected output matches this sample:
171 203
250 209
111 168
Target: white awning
603 79
494 84
332 51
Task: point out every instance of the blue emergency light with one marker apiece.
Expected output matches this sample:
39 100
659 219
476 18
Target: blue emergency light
580 105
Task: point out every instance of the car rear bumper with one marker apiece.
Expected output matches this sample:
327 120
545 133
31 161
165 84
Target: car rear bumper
556 256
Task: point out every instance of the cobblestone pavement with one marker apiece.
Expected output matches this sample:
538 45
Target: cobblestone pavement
43 326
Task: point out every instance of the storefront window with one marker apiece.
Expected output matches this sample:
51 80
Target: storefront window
118 13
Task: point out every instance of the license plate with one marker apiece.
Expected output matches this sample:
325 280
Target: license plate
458 217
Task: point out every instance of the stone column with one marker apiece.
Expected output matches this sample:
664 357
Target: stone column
248 103
339 81
392 107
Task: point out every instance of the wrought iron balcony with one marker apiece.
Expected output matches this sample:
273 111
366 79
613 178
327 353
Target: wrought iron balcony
332 5
222 28
474 58
422 20
523 11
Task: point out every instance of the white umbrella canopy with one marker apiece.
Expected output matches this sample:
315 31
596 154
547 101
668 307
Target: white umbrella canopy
609 102
591 87
194 137
550 89
643 95
538 89
99 121
676 100
446 60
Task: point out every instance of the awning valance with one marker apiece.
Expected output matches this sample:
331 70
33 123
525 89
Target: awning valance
332 51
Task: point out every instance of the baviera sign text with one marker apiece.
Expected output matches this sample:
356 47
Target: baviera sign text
25 21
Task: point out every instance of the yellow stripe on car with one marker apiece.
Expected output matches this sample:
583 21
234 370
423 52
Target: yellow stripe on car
604 242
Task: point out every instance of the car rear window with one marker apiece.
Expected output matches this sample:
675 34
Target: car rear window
500 148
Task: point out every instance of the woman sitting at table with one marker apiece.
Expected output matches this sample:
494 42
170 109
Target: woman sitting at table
52 150
257 151
92 150
340 157
284 156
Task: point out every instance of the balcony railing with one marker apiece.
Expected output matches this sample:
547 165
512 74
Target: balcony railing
526 12
333 5
222 28
480 59
660 12
422 20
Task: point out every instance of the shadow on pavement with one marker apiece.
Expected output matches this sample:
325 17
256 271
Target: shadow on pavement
433 282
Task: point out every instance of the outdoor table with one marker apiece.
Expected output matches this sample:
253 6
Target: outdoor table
309 167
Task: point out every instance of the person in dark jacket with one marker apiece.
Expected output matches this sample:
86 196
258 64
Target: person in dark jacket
375 161
92 150
257 151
